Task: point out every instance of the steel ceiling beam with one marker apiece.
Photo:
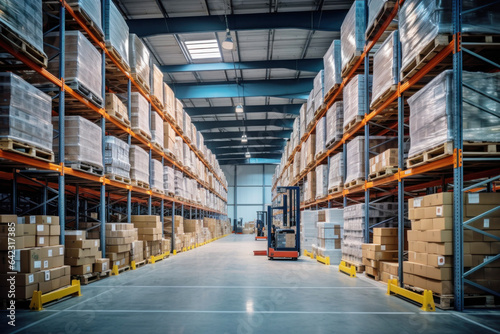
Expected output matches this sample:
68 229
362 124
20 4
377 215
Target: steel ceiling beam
243 150
256 155
285 88
214 136
310 65
244 161
207 125
327 20
252 142
291 109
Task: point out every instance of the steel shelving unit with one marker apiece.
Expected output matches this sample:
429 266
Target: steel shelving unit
86 192
445 173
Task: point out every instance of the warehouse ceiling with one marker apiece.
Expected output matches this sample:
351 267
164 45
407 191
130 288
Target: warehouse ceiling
278 50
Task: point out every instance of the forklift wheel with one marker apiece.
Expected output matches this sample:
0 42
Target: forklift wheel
270 258
294 259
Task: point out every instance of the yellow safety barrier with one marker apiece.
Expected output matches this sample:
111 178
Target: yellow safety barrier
324 260
132 265
174 252
39 299
426 299
351 271
114 271
308 254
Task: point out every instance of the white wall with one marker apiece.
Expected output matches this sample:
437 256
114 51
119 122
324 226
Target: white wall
249 189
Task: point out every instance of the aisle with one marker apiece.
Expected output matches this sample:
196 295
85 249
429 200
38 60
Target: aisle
223 288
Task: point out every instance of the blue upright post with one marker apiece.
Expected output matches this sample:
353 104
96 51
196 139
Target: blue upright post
104 208
61 199
367 142
173 227
129 142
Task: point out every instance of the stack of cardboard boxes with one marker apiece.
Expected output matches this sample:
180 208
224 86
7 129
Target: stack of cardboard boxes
48 229
80 253
150 232
380 164
383 249
179 230
119 239
36 268
137 251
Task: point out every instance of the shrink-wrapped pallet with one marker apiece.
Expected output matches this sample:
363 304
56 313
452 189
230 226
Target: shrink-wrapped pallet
321 136
179 149
116 31
335 121
81 72
139 60
332 62
355 106
157 89
157 135
336 173
329 240
187 156
26 112
303 120
157 175
24 18
375 7
186 125
385 68
169 101
319 90
116 157
310 108
90 8
179 183
431 111
82 140
321 181
421 21
140 114
352 33
200 142
139 165
179 113
168 138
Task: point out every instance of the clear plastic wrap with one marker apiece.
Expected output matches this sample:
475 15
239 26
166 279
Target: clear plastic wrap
157 135
335 121
321 181
303 120
139 164
157 90
140 114
354 98
421 21
321 136
139 59
200 142
25 113
157 175
332 62
356 154
169 101
116 30
179 113
168 138
374 8
336 172
319 90
116 157
25 19
82 140
81 58
186 125
310 108
179 149
385 67
187 156
179 183
431 111
92 8
352 32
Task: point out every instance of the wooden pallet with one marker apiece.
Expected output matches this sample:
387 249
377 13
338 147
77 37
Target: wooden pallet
320 109
481 148
320 155
157 146
421 58
123 119
92 277
139 80
20 45
435 153
373 277
84 92
169 194
335 190
350 64
85 167
158 191
118 178
116 55
13 145
91 25
332 142
140 184
380 19
140 264
331 92
355 121
156 101
388 171
384 96
354 183
142 134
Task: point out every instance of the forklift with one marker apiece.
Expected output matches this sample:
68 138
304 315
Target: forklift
284 240
261 225
238 226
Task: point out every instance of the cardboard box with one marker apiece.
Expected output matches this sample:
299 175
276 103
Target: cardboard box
52 251
8 219
42 230
445 223
438 236
144 218
290 240
41 220
54 230
384 277
118 248
479 248
21 279
83 243
438 199
473 210
82 269
389 267
385 240
18 229
440 248
52 262
70 235
482 198
26 241
439 211
386 232
73 261
439 260
420 246
101 265
416 202
419 213
54 240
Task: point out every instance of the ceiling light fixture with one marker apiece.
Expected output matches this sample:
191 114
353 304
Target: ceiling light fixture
239 109
244 139
247 155
228 43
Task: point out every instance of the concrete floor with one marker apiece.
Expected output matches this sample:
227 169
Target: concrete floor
223 288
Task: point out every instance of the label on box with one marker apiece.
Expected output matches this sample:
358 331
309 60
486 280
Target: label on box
49 220
104 266
31 279
40 228
473 198
32 220
50 252
47 275
88 269
95 243
113 228
382 247
486 223
46 264
441 261
117 263
417 202
439 211
37 264
41 240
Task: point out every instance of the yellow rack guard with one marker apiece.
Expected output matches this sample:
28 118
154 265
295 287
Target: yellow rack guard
426 299
351 271
39 299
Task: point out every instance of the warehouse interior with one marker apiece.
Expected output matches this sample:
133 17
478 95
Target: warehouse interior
250 166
